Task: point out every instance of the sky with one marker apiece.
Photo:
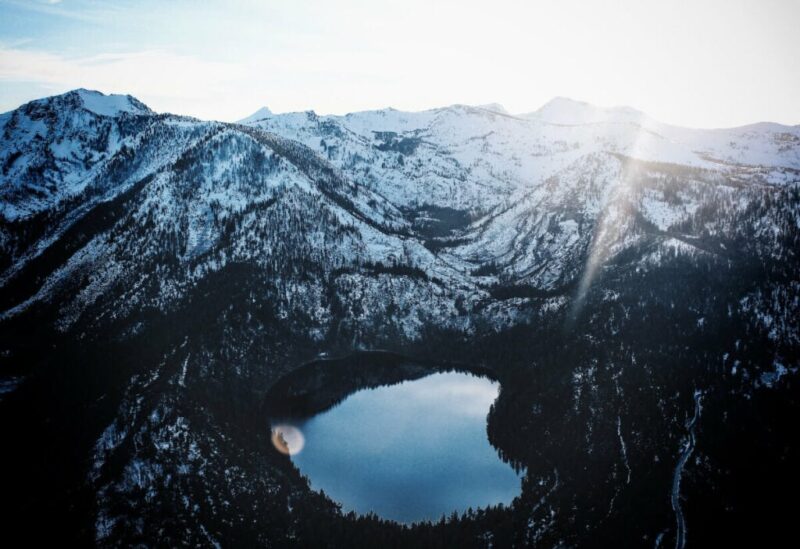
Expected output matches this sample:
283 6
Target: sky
701 63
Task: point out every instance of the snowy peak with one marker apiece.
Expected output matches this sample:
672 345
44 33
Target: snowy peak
51 148
110 105
562 110
79 100
260 114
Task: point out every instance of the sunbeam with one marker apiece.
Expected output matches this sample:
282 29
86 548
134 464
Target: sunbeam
612 224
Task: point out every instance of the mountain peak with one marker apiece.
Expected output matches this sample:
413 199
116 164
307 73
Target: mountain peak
563 110
96 102
260 114
108 105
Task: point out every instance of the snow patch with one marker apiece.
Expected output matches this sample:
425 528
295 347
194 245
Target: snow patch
260 114
109 105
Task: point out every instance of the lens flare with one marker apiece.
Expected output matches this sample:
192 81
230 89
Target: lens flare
288 439
613 222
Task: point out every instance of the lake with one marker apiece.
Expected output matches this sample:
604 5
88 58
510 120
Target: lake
409 452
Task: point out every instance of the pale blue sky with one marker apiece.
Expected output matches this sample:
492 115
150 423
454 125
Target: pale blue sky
706 63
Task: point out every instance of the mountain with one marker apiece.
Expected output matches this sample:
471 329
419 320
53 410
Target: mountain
159 275
562 110
511 181
260 114
52 146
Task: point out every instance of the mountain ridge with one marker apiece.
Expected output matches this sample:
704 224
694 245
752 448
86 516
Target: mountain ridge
160 274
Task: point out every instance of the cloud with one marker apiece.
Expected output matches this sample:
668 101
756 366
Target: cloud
150 75
56 8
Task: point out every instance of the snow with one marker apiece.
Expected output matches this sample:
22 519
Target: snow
260 114
662 214
562 110
536 192
108 105
769 379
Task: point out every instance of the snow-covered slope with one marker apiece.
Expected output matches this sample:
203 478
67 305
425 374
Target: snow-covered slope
111 105
438 195
260 114
476 158
52 149
534 186
763 144
201 196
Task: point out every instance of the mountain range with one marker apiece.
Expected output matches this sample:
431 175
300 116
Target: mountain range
633 285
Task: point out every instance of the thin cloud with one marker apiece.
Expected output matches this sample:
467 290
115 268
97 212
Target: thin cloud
155 75
86 11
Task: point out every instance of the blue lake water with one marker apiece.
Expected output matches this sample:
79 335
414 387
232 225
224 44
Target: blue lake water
408 452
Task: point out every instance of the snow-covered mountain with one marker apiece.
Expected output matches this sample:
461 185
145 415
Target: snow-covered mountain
53 147
605 266
518 178
260 114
